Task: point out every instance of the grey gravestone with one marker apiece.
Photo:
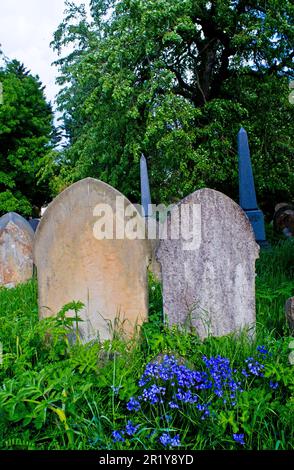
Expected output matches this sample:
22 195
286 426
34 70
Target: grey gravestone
108 276
16 250
209 273
290 313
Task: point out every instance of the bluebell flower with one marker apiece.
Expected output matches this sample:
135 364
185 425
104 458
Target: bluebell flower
274 385
117 436
133 404
175 441
239 438
173 405
262 350
131 429
255 368
167 441
186 397
153 394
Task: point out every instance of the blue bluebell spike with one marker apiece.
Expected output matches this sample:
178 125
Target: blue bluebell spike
145 188
247 193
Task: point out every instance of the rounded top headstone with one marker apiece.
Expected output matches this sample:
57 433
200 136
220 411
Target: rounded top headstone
108 274
208 264
17 220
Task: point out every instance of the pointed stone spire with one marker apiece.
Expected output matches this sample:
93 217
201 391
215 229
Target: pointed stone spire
247 193
145 188
246 180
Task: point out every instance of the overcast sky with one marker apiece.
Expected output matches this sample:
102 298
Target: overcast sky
26 29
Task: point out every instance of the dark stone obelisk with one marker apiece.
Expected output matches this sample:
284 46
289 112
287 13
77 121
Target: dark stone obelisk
247 193
145 188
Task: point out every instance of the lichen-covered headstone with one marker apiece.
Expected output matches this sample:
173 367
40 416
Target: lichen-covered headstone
109 276
208 265
16 250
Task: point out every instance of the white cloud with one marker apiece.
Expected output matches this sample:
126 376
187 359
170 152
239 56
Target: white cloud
26 30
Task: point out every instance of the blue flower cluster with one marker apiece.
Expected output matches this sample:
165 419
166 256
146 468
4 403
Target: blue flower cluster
171 385
186 384
153 394
254 367
262 350
133 405
130 430
167 441
222 378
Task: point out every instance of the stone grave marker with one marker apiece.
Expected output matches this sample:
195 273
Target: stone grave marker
209 271
108 275
16 250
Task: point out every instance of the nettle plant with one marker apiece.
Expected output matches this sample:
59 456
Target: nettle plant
175 400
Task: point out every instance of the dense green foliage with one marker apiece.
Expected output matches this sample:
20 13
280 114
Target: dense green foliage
176 79
57 395
25 134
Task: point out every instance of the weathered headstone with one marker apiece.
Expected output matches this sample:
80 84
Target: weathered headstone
290 313
209 271
247 193
16 250
108 275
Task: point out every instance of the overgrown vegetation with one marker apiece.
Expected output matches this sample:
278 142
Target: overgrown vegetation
59 395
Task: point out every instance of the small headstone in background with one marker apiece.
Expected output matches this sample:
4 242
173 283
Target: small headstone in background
290 313
209 279
284 219
108 276
16 250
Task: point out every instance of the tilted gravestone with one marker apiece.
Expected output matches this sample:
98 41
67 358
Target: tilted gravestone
16 250
73 264
209 271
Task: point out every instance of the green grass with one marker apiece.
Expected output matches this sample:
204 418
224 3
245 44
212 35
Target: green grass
54 395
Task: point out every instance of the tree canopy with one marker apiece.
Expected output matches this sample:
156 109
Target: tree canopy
175 79
25 140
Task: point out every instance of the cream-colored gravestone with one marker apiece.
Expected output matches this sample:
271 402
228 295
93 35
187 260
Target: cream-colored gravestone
109 276
16 250
209 271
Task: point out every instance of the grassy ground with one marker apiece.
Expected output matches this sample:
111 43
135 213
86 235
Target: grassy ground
193 395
